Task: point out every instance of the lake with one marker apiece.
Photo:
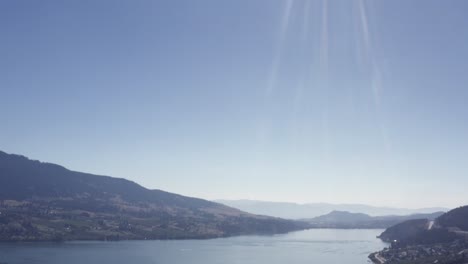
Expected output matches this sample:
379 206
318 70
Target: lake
322 246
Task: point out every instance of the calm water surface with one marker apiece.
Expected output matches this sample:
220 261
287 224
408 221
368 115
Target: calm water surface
318 246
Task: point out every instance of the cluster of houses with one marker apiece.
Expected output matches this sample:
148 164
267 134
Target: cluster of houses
455 252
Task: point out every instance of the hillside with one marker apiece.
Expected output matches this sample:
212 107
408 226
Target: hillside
456 218
341 219
443 240
405 230
43 201
443 228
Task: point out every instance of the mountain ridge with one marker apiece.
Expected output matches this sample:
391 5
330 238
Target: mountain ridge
408 232
45 201
310 210
347 220
419 241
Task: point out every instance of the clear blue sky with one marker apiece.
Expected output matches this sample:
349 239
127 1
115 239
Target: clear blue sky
302 101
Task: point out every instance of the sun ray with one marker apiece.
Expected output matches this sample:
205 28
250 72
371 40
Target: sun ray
273 76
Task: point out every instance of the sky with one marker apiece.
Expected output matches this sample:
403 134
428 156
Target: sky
281 100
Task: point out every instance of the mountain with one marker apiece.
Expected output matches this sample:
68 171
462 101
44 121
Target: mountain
310 210
444 227
342 219
44 201
419 241
455 219
405 230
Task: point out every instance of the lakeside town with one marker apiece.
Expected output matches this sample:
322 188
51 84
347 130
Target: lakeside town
444 253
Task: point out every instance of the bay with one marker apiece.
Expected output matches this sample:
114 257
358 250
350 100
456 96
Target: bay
323 246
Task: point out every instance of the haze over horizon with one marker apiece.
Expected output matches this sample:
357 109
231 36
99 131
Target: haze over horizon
239 203
360 102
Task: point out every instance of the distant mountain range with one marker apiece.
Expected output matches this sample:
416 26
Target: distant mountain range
341 219
43 201
310 210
